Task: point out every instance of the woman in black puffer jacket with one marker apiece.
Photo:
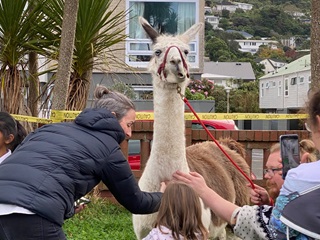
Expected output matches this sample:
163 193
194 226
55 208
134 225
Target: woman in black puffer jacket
59 163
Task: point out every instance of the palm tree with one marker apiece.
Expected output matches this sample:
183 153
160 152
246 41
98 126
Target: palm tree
18 37
97 29
65 54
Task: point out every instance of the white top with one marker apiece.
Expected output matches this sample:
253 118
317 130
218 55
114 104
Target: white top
156 234
3 157
6 209
301 178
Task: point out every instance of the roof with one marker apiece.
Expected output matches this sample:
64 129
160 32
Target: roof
243 33
301 64
236 70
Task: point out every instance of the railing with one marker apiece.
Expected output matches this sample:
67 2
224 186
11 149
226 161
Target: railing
252 140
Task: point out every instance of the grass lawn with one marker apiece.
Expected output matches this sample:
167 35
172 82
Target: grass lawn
101 220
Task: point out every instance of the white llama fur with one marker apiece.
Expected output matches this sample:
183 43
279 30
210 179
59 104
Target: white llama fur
168 152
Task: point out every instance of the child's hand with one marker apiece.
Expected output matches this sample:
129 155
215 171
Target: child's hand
79 208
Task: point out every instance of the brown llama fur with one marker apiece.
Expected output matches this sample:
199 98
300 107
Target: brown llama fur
220 174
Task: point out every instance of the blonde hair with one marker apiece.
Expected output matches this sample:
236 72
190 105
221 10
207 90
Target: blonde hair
275 148
180 211
307 145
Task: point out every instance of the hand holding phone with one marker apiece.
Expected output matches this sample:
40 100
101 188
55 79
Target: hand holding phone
290 154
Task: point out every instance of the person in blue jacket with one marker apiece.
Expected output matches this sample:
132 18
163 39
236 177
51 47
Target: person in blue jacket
59 163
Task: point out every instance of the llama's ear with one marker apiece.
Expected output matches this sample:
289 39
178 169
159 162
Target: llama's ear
192 32
152 33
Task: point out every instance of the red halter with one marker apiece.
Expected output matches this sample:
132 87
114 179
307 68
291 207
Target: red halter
163 64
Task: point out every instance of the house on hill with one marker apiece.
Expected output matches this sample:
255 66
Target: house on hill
286 90
271 65
228 74
252 45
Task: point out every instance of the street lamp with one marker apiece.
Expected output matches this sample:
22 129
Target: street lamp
228 96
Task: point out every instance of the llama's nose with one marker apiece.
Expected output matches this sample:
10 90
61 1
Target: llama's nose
175 61
177 64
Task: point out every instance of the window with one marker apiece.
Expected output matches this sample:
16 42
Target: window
301 80
262 90
293 81
286 87
172 17
279 88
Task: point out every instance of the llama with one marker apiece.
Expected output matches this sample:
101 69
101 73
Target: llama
169 71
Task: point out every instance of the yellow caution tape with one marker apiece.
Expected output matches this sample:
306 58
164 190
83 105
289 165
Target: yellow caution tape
61 115
231 116
31 119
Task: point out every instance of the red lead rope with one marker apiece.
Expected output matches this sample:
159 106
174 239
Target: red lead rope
216 142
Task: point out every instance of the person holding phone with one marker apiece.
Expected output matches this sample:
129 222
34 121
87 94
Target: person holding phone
273 172
263 222
58 163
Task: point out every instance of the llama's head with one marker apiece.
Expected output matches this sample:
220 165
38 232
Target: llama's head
169 61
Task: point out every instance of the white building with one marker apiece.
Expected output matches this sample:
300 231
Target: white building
286 90
272 65
252 46
213 20
243 6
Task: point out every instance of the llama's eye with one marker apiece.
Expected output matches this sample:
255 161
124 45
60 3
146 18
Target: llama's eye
158 52
186 52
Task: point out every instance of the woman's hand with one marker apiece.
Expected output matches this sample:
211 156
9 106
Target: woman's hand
79 208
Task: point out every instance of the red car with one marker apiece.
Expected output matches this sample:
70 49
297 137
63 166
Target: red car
134 145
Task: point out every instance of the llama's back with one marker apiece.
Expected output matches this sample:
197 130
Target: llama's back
220 174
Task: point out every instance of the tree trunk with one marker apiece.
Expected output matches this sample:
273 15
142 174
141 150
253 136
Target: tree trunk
61 84
315 44
33 96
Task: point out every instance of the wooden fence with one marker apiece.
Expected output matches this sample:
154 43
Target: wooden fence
251 140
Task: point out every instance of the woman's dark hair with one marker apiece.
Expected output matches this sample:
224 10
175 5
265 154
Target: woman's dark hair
113 101
8 126
21 134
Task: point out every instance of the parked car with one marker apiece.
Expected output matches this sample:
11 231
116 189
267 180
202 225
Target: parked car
134 145
215 124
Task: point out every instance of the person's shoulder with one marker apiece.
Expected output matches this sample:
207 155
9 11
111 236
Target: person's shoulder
306 166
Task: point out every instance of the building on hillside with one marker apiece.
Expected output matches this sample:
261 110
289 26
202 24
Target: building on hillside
213 20
289 42
271 65
228 74
252 46
244 6
225 5
232 6
286 90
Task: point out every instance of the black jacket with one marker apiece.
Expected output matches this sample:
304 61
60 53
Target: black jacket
59 163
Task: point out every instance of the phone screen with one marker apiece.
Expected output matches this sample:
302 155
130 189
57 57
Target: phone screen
290 154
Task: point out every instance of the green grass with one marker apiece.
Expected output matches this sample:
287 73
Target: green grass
101 220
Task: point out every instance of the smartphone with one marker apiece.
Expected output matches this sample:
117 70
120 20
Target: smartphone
290 154
81 201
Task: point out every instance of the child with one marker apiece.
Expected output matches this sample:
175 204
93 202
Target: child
179 216
11 135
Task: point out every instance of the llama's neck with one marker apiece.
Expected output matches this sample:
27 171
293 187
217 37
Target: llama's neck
169 142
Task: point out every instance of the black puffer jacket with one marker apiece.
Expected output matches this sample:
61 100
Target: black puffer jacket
59 163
